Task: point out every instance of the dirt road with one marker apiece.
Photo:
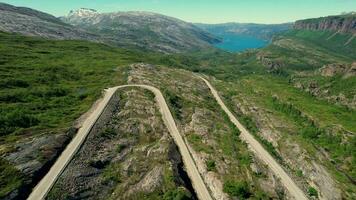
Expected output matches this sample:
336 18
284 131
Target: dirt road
45 185
260 152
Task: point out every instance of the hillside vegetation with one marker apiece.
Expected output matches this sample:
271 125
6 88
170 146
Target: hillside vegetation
45 86
296 96
282 94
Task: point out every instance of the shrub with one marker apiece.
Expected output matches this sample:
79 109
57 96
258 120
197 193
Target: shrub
177 194
120 147
210 165
237 189
108 133
10 178
176 103
312 192
14 83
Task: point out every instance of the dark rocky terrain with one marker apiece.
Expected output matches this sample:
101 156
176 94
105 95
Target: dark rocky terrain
142 29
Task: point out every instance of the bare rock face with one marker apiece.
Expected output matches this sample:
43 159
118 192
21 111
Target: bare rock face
352 71
33 157
150 182
333 69
269 62
342 23
337 68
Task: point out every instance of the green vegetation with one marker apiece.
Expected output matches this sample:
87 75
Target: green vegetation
176 104
10 178
299 173
43 90
45 85
237 189
329 140
210 165
57 193
312 192
312 122
326 42
177 194
108 133
197 142
120 148
111 174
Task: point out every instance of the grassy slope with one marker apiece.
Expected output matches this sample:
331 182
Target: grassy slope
45 85
307 51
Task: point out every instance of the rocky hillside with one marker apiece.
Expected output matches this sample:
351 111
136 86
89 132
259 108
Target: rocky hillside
129 154
142 29
30 22
342 23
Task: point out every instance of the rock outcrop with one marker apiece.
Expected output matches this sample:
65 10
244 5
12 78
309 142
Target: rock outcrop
341 23
338 69
269 62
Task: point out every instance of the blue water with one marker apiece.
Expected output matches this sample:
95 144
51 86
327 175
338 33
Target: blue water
237 43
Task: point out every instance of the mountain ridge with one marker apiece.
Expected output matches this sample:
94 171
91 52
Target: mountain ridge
145 30
345 23
30 22
139 30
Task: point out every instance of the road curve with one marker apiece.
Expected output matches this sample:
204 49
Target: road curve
260 152
47 182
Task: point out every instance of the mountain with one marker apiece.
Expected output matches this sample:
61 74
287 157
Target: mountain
262 31
345 23
142 29
30 22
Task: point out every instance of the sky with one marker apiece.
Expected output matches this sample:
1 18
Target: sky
204 11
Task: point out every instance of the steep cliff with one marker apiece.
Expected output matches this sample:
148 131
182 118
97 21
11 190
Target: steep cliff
345 23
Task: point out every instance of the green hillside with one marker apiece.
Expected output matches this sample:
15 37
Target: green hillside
320 125
46 85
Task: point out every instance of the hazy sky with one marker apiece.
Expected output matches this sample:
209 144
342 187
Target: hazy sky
207 11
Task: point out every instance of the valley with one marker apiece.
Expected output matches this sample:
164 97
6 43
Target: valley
97 105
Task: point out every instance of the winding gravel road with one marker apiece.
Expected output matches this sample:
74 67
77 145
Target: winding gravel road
45 185
259 151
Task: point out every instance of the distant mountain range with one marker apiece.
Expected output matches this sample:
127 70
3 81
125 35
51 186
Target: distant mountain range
263 31
143 29
149 31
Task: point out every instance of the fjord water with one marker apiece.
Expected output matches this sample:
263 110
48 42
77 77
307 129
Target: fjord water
238 43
